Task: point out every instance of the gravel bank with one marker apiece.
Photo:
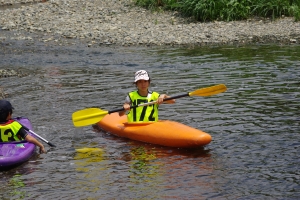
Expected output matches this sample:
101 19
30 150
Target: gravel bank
104 22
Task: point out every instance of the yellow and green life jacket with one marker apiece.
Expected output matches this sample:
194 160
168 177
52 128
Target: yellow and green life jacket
9 130
143 113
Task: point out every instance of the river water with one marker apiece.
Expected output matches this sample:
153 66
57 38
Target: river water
254 153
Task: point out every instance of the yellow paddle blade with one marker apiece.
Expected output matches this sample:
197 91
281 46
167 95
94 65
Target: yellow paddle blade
88 116
87 150
209 91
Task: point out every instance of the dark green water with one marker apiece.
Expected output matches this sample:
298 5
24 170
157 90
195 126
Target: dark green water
254 153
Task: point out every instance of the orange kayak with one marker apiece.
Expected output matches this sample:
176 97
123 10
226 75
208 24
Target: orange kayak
164 132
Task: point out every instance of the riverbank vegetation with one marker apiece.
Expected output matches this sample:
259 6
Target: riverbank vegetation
227 10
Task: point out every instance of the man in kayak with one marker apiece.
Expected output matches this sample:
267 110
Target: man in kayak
143 95
12 130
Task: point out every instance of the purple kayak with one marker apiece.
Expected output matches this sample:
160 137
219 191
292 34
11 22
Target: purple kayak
17 152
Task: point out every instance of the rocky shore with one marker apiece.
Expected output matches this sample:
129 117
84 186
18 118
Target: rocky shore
119 22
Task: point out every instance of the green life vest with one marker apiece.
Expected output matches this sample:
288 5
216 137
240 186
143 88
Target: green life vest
143 113
9 131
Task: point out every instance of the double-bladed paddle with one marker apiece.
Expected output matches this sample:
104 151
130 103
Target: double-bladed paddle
91 116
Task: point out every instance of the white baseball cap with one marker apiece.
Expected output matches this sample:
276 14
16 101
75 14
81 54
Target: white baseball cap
141 75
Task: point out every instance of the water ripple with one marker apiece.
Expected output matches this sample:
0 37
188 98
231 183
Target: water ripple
254 124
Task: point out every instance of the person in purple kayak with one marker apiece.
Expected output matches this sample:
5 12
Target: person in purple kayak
11 130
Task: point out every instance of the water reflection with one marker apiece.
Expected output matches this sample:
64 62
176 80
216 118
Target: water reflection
143 167
86 156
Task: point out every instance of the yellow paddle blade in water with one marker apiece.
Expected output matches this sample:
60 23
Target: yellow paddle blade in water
88 150
84 157
88 116
209 91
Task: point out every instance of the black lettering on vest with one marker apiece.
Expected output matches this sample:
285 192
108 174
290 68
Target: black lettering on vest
151 118
139 101
134 110
143 114
7 132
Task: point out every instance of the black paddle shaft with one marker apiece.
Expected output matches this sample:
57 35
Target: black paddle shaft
166 99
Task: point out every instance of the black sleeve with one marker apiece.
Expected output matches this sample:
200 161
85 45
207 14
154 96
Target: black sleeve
22 133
